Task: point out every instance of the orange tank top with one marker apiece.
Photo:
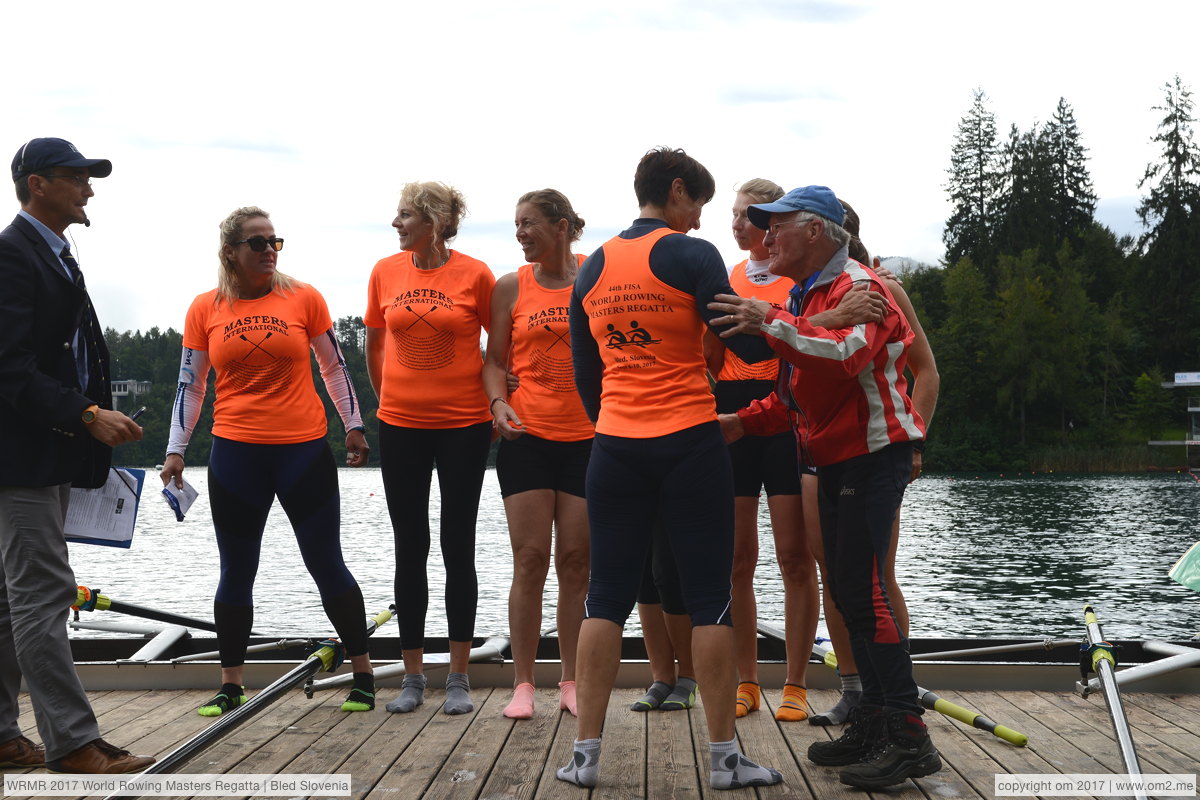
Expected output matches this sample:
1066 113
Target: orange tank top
776 294
546 400
650 339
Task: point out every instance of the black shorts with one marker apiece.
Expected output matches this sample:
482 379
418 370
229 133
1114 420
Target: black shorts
527 463
765 462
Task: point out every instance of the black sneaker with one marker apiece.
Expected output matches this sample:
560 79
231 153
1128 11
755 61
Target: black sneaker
906 751
859 738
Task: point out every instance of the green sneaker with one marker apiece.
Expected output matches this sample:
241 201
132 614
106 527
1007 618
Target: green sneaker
230 697
359 700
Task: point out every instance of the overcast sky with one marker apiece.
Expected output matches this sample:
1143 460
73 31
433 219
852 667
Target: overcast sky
319 112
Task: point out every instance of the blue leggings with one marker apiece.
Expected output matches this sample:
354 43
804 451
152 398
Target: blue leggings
243 481
684 479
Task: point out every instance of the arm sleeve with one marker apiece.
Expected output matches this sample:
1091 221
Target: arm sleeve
585 353
694 266
189 398
337 379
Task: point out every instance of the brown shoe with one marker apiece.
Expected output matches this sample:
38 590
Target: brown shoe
20 752
98 757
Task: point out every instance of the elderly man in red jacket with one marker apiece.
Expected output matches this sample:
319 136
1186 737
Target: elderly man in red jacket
842 391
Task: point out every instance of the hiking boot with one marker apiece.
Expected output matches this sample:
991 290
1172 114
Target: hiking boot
856 742
904 752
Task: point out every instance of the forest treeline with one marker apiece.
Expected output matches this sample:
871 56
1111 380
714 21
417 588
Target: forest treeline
1052 334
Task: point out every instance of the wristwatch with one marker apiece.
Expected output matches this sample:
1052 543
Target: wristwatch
89 414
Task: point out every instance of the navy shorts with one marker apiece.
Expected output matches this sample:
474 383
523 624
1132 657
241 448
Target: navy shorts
759 462
528 462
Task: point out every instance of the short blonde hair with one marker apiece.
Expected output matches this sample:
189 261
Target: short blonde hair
761 190
439 204
231 232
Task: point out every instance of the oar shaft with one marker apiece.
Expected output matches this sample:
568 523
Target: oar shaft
227 722
106 603
1104 665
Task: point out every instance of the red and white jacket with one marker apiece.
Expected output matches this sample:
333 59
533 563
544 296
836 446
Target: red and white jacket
847 392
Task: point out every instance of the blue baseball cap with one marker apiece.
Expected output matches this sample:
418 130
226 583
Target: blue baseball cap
817 199
38 155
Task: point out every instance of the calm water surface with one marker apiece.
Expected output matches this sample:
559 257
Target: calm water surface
986 556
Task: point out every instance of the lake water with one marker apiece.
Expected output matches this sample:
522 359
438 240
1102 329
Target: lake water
980 556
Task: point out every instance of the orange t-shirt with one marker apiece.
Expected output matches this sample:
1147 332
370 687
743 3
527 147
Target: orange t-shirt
546 400
431 356
260 350
775 293
651 342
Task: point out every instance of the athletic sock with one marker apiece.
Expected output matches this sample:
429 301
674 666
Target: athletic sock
566 698
362 696
795 704
851 698
412 694
653 698
521 705
230 697
682 697
458 699
584 767
749 695
732 770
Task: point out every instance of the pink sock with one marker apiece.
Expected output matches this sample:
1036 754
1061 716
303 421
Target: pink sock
566 697
521 706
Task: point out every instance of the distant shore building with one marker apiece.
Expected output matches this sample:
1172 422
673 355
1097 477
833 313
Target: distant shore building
1189 380
126 393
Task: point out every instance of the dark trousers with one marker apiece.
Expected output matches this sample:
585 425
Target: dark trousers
408 457
859 499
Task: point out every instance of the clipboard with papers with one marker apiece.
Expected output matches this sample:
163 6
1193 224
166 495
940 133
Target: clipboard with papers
106 515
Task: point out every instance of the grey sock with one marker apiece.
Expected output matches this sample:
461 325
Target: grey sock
458 699
412 694
732 770
682 697
584 767
653 698
840 713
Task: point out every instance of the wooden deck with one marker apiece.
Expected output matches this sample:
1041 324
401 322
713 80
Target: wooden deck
483 755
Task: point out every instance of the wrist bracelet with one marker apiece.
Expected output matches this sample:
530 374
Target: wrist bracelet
492 405
358 428
919 445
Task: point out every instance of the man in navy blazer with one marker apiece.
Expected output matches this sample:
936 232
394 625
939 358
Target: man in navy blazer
57 430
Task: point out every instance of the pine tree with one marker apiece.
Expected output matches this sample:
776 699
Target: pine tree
1167 288
974 180
1073 202
1025 199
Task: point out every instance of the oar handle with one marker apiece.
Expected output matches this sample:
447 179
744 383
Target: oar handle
973 718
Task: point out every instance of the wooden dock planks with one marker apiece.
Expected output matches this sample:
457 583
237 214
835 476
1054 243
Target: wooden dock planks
485 756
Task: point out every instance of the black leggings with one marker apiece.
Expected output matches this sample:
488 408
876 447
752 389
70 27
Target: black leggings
408 457
243 481
684 479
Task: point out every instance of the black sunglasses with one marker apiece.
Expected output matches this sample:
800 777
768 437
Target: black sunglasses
259 244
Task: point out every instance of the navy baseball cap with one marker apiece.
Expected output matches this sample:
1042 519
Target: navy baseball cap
817 199
38 155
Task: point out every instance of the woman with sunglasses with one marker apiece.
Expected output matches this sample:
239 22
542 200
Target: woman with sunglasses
256 330
426 306
547 437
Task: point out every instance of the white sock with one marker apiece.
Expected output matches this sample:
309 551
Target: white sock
732 770
584 768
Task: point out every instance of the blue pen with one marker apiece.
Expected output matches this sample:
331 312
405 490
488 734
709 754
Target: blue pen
138 413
